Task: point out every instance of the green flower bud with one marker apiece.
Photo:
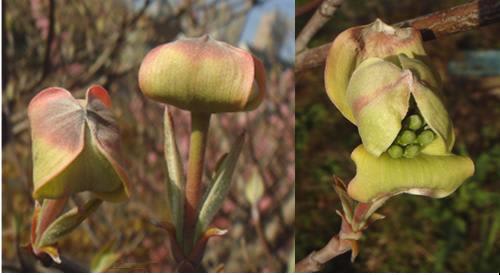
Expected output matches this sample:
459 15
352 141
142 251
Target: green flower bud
426 137
406 137
75 146
395 151
203 75
414 122
411 151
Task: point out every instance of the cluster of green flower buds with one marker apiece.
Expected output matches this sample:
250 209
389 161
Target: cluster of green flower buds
380 79
414 136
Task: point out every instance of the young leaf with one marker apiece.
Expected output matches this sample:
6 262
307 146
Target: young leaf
105 258
219 187
346 201
66 223
175 179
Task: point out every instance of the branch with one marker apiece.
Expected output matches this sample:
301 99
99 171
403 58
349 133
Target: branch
315 260
48 46
432 26
320 17
309 6
50 37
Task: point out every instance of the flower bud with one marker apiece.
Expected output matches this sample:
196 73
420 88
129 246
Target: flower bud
379 78
75 145
203 75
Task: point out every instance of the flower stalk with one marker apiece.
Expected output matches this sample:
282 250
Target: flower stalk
200 123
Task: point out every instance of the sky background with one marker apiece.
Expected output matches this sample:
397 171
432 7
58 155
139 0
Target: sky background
287 8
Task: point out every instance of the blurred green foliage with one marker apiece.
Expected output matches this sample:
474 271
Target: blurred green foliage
457 233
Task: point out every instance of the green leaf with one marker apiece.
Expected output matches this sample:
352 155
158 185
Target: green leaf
175 179
105 258
219 187
254 189
66 223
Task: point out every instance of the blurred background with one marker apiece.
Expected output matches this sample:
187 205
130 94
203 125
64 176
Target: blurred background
74 44
419 234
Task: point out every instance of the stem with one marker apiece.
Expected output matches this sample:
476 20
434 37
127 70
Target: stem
199 137
315 260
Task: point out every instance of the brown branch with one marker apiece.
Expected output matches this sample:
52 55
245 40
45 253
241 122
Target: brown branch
309 6
50 37
320 17
48 46
432 26
315 260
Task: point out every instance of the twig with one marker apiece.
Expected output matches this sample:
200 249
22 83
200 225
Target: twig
320 17
309 6
113 50
432 26
261 235
315 260
50 37
48 47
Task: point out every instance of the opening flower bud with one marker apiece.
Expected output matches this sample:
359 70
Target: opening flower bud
75 145
379 78
203 75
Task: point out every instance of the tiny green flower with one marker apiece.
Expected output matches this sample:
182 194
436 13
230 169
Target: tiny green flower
395 151
414 122
411 151
426 137
406 137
